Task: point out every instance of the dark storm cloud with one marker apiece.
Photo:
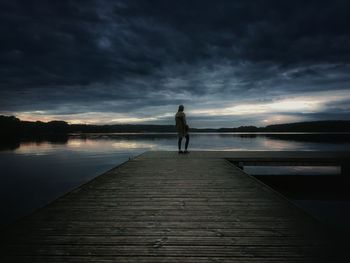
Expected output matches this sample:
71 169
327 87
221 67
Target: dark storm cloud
281 31
71 56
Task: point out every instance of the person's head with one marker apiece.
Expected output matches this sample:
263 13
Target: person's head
181 108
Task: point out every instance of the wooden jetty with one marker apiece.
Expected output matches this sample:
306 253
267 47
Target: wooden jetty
166 207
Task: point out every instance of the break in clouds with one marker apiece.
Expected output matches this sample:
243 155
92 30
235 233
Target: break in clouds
230 63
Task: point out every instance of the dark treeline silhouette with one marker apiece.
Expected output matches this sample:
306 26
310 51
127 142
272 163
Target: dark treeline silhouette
11 126
13 132
312 126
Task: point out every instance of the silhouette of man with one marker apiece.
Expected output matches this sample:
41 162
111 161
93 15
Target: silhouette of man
182 128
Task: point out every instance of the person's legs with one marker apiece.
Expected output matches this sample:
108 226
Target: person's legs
179 143
187 141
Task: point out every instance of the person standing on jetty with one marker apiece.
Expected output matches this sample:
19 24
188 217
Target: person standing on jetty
182 128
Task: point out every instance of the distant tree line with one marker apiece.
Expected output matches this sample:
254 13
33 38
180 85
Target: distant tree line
312 126
12 126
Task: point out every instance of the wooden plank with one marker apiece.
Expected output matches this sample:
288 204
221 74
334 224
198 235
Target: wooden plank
155 259
163 207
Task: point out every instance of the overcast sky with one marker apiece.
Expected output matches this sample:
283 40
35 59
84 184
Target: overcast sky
230 63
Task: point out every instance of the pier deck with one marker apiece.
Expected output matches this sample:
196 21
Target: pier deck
165 207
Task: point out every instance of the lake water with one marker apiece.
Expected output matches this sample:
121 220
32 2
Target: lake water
33 173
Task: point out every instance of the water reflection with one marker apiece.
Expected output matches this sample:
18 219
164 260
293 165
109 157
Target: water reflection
9 144
133 145
14 143
202 141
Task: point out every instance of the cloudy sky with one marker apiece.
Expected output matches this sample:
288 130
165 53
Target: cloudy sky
231 63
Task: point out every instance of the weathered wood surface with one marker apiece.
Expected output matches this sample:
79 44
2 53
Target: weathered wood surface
164 207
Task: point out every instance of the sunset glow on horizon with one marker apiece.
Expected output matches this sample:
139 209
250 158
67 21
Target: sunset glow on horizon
278 111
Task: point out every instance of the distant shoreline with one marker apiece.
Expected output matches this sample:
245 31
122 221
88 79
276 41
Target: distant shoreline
13 127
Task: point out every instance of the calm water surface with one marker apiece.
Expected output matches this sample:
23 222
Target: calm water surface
35 173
